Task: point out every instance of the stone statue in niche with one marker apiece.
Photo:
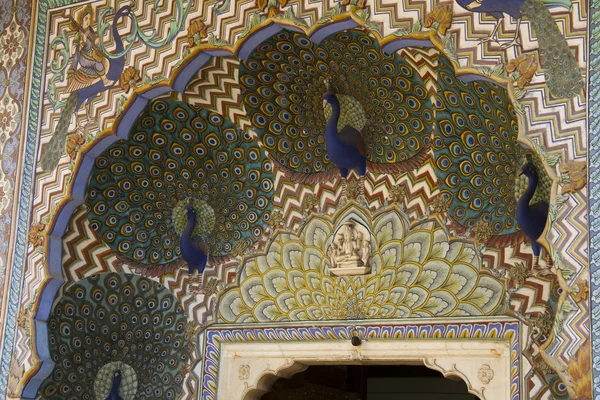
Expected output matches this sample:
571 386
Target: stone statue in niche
350 250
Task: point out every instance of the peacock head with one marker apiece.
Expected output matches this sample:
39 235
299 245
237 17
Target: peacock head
329 96
529 170
117 377
189 211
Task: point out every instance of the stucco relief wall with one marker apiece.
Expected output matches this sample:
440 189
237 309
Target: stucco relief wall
443 234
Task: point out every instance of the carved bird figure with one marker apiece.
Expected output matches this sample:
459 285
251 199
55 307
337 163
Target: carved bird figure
532 217
193 250
382 106
347 147
559 63
114 391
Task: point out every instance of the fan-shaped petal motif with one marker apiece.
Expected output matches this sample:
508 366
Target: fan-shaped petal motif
419 273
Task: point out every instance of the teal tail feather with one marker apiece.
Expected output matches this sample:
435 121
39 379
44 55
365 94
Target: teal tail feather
563 76
54 150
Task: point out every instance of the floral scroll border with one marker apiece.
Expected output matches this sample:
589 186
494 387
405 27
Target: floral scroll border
508 329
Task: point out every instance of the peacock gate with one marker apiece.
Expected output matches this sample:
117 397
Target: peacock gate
275 199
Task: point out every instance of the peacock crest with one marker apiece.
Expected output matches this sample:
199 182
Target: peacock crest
417 272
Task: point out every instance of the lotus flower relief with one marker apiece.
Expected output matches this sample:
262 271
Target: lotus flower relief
416 272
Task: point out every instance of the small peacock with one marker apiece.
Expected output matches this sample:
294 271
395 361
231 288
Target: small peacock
532 218
114 390
193 250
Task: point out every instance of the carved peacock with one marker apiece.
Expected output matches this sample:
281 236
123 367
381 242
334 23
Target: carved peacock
382 97
196 185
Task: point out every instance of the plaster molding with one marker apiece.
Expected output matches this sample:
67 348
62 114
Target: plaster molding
263 363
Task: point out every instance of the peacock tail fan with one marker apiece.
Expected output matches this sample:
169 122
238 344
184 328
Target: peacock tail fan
477 156
563 75
54 150
178 154
382 96
116 321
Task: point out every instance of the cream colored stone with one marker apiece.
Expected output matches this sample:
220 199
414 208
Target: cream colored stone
462 359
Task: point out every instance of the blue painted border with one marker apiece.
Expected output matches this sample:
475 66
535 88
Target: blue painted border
594 187
25 195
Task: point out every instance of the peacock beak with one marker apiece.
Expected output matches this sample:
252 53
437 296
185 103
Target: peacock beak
324 103
521 174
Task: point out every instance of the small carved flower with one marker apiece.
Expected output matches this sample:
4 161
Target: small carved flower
129 74
353 190
576 172
190 330
197 31
398 194
276 219
211 287
244 372
6 119
440 204
485 374
543 322
239 248
442 14
518 272
481 231
309 202
35 237
582 293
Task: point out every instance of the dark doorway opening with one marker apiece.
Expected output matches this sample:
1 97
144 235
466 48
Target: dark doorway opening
368 382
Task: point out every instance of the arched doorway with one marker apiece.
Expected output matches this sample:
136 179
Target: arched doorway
368 382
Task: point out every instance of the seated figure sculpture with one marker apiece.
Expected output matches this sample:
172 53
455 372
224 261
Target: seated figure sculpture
347 254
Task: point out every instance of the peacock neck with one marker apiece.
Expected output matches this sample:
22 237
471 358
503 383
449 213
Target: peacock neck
528 195
332 123
189 228
118 42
